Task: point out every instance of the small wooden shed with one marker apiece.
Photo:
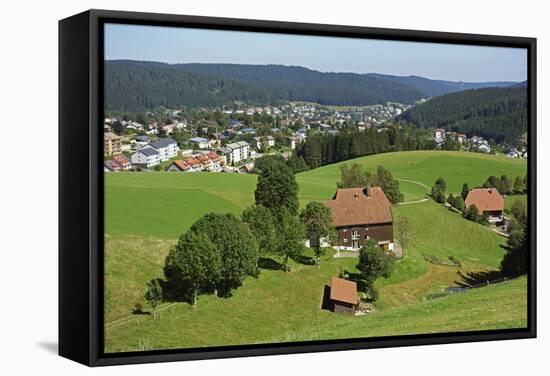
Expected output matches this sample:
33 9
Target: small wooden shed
343 295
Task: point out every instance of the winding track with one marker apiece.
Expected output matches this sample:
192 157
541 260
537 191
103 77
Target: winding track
417 183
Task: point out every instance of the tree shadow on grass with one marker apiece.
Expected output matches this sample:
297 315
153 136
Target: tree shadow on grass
139 311
476 279
269 264
305 260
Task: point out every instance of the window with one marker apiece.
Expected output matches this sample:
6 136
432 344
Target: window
345 240
355 234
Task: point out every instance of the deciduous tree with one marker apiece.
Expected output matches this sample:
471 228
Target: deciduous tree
374 263
235 244
194 264
291 235
317 219
402 232
261 223
277 188
153 295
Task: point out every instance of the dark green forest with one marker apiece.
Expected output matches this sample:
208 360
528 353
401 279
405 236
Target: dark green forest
322 149
137 87
493 113
140 86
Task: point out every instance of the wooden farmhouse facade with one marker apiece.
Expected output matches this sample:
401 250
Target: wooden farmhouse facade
360 214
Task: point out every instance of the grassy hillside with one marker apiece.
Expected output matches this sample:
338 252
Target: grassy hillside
146 212
166 204
279 307
417 166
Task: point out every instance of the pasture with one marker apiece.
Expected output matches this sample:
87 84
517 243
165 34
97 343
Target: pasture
146 212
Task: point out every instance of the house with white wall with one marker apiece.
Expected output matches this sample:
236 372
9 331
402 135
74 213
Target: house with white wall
201 142
237 151
263 142
146 157
167 148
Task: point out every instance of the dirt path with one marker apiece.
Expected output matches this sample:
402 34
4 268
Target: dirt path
413 202
131 318
417 183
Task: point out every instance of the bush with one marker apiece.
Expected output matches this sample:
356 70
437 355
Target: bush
455 261
137 309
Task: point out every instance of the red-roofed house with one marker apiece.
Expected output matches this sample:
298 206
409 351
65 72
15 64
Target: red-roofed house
217 162
359 214
123 162
195 164
488 202
179 166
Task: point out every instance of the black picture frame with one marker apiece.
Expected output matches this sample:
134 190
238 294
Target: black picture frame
81 186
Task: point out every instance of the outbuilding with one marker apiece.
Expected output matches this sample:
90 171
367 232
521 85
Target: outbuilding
343 295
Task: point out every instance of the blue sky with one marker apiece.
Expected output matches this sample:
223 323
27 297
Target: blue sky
325 54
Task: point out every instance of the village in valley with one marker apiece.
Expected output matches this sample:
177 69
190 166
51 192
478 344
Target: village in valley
238 137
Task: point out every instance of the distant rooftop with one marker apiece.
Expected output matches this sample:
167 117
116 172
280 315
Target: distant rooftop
163 142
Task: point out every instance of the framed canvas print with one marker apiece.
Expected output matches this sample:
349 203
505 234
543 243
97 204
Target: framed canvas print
236 187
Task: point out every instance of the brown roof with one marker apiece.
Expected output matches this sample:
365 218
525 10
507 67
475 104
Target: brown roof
181 165
213 156
121 159
485 199
352 206
192 162
343 290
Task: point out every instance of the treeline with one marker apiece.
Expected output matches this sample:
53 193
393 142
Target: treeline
295 83
322 149
355 176
493 113
139 86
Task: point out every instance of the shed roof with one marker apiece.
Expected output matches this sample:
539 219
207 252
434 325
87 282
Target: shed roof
343 290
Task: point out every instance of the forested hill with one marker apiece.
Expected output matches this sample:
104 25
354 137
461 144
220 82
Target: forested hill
139 86
497 113
434 88
302 84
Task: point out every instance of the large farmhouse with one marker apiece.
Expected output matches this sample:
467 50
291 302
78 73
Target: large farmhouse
359 214
488 202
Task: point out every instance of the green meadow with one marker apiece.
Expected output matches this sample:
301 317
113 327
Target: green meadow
145 213
417 168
